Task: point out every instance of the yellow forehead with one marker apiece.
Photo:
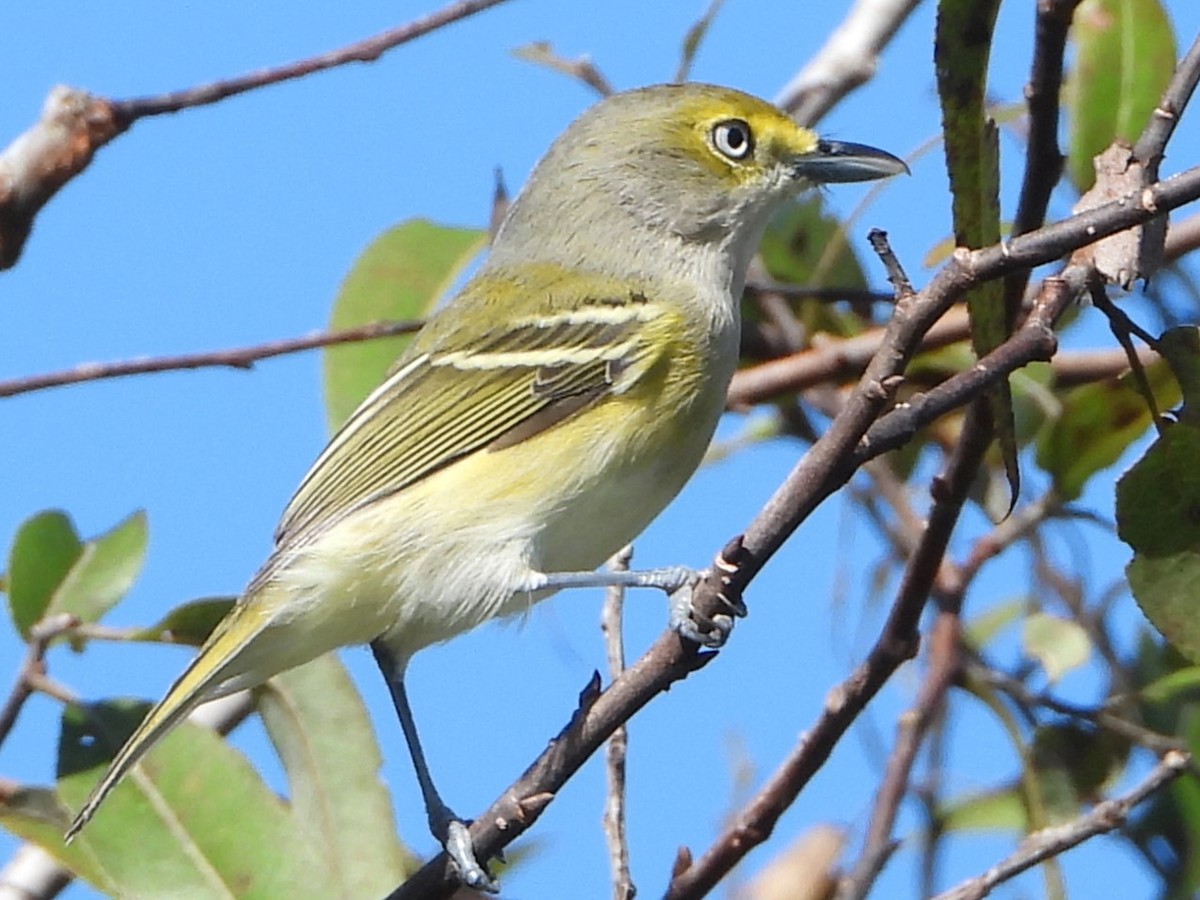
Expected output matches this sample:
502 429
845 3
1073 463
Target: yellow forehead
775 136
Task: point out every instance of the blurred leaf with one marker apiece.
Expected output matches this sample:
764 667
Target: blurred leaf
37 815
805 245
321 730
1124 57
1181 348
400 276
982 628
1001 809
189 623
104 572
192 819
1170 688
1073 763
42 553
1158 515
1058 644
1097 424
962 48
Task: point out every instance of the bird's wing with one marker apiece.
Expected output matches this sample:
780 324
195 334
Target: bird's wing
454 394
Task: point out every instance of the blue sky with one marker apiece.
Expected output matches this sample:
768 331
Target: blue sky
233 224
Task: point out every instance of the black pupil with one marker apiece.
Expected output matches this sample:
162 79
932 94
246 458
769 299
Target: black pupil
735 137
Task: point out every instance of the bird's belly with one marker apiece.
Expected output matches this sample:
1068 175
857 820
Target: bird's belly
467 543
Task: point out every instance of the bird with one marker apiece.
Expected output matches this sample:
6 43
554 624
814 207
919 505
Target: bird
539 420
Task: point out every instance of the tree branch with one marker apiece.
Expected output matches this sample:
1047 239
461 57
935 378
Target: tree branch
75 124
852 438
847 59
236 357
1050 842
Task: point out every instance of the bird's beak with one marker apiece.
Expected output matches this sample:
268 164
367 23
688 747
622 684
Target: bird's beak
839 161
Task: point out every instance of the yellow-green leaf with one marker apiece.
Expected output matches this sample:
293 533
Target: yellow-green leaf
104 572
1158 515
1124 57
189 623
962 48
52 571
1060 645
321 730
1097 424
193 819
399 277
42 553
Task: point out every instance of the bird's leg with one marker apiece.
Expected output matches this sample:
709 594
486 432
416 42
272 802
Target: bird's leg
447 828
677 581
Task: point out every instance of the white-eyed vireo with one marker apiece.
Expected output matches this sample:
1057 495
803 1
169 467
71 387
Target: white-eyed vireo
542 418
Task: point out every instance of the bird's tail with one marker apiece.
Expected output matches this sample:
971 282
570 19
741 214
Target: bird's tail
219 668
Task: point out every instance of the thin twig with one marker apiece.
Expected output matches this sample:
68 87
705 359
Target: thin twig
1043 159
611 617
694 38
366 50
1153 140
1050 842
236 358
74 124
33 667
1122 326
1100 716
911 730
542 53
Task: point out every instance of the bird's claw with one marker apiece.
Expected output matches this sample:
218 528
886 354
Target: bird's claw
461 851
707 631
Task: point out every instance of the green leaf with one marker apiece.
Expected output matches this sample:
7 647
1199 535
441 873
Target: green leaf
104 571
1180 347
193 819
51 571
1158 515
1124 57
962 49
321 730
1158 499
1097 424
189 623
1058 644
37 815
1001 809
1166 589
982 628
805 245
1181 684
400 276
1073 762
43 551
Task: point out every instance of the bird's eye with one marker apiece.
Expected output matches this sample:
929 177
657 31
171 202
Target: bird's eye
732 138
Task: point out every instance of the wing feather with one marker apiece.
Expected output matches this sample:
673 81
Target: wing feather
452 399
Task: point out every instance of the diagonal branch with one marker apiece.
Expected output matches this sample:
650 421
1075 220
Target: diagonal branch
1050 842
829 465
847 59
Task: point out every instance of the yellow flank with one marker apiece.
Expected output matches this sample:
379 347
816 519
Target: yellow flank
546 414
